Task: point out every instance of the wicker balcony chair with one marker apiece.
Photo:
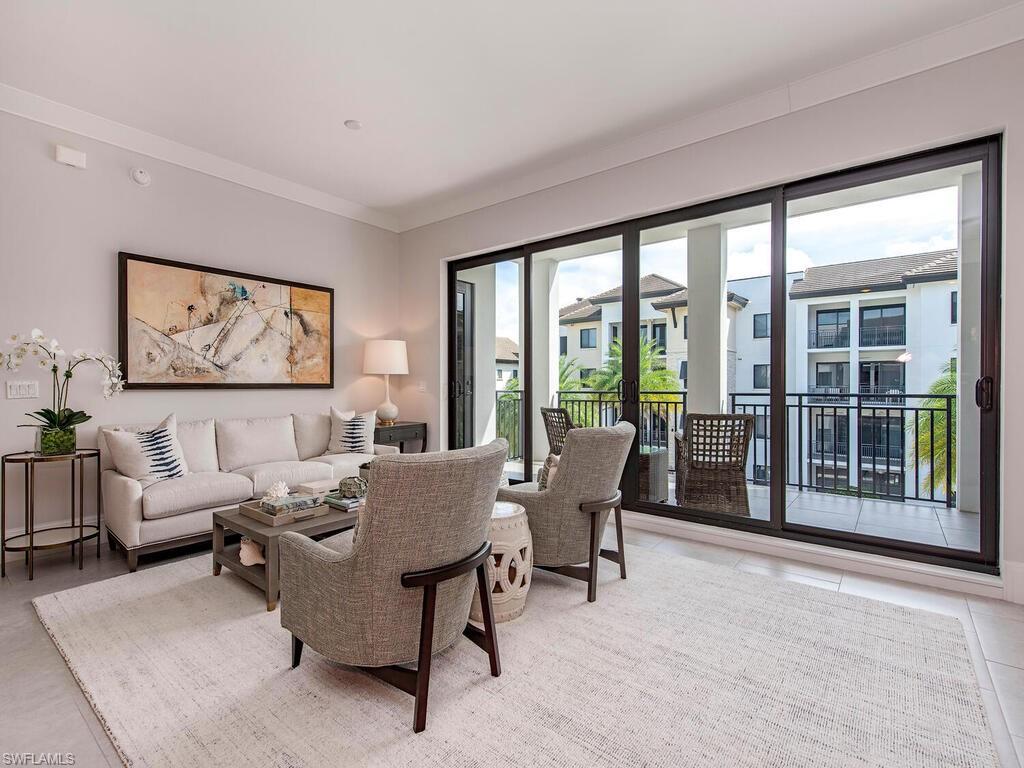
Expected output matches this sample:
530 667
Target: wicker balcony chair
557 423
711 460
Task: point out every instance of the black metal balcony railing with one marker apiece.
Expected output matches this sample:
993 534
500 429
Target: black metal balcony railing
885 395
828 338
899 438
829 394
883 336
508 408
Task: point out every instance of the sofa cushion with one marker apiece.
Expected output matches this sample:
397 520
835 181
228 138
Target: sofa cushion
148 456
198 490
245 442
352 434
199 444
344 464
313 432
293 473
197 438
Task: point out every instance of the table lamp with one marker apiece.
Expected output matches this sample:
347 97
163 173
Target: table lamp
386 356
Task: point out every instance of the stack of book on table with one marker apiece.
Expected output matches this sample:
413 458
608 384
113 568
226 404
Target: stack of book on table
287 509
336 501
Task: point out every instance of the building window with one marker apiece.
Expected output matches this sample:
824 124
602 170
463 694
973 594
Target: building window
831 329
586 373
515 373
501 374
882 378
563 345
831 435
588 338
615 331
659 337
761 473
883 326
686 326
761 426
762 326
881 439
832 378
954 308
761 376
683 371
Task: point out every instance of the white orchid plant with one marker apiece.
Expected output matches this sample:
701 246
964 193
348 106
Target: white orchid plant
48 354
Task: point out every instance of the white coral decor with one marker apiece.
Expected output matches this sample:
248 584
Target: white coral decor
277 491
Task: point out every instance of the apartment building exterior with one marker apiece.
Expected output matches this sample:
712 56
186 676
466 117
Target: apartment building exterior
860 336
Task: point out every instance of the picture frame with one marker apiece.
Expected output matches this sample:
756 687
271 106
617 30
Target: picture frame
189 326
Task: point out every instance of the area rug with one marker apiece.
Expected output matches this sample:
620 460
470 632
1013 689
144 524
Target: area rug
683 664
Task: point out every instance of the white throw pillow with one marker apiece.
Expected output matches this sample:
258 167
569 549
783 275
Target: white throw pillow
352 434
149 456
313 433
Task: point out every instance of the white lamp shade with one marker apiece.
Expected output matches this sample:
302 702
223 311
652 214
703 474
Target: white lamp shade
385 356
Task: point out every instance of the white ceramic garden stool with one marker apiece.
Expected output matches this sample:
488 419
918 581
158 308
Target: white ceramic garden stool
510 565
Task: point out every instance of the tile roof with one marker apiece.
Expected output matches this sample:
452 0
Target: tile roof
681 299
579 311
889 273
650 285
506 350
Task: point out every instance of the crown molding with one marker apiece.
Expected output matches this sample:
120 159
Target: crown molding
985 33
42 110
979 35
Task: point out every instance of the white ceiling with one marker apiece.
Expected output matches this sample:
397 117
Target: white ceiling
455 96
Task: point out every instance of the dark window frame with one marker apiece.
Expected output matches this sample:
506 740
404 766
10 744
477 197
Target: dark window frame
767 329
766 370
589 332
988 152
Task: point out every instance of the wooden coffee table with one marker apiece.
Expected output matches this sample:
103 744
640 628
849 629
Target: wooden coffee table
268 576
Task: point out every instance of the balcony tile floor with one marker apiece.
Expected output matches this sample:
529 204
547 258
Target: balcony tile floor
49 712
919 522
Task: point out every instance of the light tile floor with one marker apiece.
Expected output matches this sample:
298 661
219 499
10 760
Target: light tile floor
43 710
921 522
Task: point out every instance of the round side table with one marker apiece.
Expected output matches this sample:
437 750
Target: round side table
510 564
77 533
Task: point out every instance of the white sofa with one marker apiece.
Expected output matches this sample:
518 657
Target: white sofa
229 461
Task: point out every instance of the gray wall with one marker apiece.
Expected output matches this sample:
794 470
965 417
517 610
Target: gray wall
61 229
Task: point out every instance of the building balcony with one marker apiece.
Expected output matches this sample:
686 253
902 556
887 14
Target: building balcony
883 336
829 394
883 395
828 339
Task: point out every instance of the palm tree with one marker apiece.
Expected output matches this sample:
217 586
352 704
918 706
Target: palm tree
510 403
655 378
932 426
657 385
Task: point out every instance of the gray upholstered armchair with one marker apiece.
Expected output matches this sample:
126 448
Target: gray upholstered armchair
398 588
568 518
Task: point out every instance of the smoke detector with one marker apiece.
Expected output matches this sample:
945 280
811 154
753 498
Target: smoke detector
141 177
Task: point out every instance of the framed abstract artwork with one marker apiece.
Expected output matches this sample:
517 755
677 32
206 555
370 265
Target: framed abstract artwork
188 326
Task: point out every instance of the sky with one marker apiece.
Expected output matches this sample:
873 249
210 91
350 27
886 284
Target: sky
925 221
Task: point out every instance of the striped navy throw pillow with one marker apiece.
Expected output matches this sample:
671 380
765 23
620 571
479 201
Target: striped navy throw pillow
148 456
353 434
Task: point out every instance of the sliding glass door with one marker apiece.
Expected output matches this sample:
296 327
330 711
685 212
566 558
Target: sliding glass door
487 331
833 342
703 310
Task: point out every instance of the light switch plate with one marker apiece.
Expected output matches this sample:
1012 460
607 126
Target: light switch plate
22 390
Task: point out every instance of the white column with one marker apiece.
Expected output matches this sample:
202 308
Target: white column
706 297
544 316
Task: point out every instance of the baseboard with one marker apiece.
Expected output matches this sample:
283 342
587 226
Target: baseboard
1013 580
940 577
